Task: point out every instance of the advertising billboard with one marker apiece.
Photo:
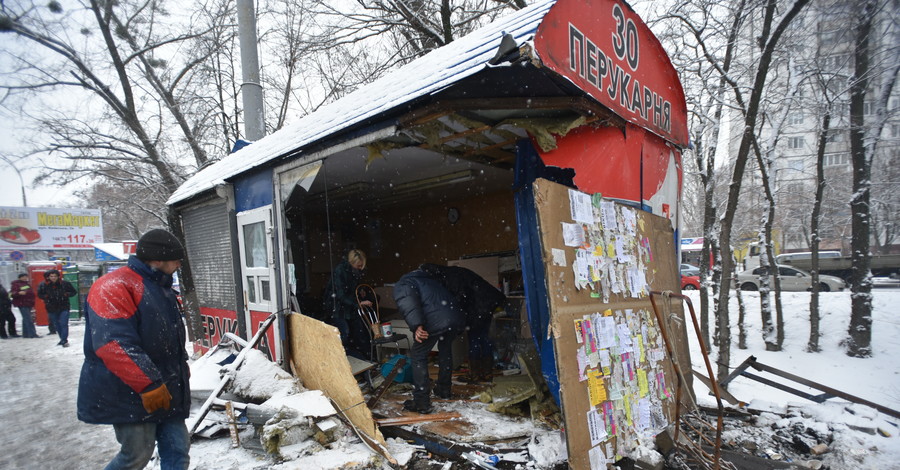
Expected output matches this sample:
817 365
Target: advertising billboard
49 228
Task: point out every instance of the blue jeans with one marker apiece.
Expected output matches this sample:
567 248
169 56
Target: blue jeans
61 320
137 441
28 329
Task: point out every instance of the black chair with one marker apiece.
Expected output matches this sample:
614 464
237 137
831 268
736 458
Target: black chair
371 318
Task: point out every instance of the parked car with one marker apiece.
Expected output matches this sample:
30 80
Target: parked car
788 257
792 279
690 282
689 270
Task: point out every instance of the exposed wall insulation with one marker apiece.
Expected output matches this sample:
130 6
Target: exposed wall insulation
321 364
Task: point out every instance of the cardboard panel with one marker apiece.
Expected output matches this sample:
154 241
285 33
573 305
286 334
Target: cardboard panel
606 313
322 365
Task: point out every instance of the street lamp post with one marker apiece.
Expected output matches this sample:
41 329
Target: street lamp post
21 181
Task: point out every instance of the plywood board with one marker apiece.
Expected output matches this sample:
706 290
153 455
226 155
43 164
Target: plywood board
602 259
321 364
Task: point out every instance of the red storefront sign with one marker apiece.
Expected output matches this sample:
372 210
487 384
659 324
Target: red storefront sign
606 49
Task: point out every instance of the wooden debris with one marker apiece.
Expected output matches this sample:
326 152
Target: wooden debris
371 442
232 426
192 428
818 449
401 420
387 382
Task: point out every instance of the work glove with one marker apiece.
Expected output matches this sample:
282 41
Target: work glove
157 399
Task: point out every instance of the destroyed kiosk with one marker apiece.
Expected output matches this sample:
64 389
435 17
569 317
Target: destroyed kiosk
542 151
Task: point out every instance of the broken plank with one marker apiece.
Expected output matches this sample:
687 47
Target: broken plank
228 377
387 382
401 420
731 399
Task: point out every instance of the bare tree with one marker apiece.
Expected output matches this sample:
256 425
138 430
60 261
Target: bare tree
702 46
864 139
814 317
768 40
413 27
126 77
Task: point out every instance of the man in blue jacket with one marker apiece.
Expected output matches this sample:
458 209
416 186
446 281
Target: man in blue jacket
135 374
479 300
434 316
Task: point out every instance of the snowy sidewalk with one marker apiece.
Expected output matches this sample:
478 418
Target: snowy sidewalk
38 424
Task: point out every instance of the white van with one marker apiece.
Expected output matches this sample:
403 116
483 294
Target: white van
786 258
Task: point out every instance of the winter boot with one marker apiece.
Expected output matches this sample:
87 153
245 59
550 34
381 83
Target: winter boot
486 369
421 408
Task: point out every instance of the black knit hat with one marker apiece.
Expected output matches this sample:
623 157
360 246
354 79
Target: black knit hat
159 245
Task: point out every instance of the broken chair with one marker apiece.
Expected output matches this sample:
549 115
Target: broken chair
371 318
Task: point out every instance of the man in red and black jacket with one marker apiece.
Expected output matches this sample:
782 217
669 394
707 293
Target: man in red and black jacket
135 374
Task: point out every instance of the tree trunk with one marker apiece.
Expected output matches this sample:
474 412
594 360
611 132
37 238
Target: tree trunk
767 259
742 313
859 343
814 318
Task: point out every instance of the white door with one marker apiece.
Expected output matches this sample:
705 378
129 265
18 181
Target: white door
255 238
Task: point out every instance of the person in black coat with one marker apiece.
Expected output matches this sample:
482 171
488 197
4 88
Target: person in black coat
340 304
479 300
6 315
434 317
55 293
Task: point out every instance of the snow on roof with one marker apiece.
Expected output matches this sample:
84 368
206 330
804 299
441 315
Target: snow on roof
116 250
440 68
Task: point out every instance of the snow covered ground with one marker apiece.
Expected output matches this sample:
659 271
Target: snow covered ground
38 383
876 379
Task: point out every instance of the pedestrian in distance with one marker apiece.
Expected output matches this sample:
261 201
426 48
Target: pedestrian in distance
135 374
55 293
7 319
433 315
480 301
23 298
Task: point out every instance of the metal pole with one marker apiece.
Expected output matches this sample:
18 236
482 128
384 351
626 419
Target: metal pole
21 181
251 90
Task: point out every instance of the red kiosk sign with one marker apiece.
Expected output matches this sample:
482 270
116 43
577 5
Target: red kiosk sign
608 51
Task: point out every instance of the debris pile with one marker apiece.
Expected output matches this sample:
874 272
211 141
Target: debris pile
792 438
274 415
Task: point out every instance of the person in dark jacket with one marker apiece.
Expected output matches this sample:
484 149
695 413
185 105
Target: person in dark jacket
135 373
479 300
434 317
339 303
23 297
55 293
6 315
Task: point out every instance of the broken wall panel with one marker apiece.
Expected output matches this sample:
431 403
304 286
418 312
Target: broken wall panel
321 364
602 259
